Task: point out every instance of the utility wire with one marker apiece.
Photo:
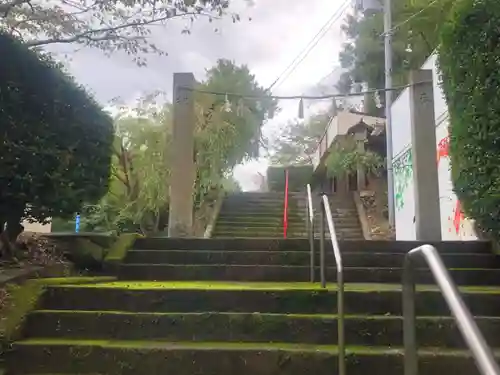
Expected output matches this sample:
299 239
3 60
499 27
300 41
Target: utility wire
296 97
310 46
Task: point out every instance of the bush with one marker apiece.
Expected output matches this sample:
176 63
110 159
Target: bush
56 139
469 59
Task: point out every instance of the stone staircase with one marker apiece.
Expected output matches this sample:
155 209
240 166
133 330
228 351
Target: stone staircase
253 214
344 215
250 214
217 308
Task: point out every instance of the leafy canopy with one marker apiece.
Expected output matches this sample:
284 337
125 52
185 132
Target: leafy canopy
226 133
415 34
346 157
106 24
56 140
469 60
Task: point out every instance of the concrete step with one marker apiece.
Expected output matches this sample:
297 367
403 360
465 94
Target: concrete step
273 273
248 328
298 258
341 236
165 243
280 298
155 358
226 223
240 232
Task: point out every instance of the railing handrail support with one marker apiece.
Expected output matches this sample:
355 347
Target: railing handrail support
310 230
326 213
471 334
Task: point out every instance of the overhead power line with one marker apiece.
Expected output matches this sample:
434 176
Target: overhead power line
310 46
297 97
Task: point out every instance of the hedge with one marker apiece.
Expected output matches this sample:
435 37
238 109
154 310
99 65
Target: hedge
469 59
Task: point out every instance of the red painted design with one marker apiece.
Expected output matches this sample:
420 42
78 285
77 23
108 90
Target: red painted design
443 148
459 216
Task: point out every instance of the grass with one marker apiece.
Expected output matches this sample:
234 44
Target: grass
277 286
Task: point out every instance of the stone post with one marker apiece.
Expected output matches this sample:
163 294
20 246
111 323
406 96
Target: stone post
180 220
423 148
360 138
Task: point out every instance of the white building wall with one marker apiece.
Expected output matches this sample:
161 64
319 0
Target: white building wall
454 226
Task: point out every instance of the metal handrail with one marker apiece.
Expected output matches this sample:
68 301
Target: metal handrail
310 230
326 213
481 352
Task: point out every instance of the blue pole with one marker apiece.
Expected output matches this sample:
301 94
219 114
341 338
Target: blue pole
77 223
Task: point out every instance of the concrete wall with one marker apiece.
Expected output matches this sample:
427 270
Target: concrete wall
36 227
454 226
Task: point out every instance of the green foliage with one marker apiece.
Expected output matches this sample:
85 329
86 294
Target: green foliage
24 298
470 64
227 132
56 140
298 177
118 250
415 36
298 140
345 157
230 184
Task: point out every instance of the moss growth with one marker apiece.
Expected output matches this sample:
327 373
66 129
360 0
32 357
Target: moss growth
118 250
24 298
86 254
201 285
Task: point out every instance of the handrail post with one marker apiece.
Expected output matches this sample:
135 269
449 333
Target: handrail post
285 209
340 322
409 319
471 334
311 245
322 246
310 231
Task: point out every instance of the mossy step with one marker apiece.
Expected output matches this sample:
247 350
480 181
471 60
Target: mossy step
263 273
254 327
129 357
284 298
298 258
152 243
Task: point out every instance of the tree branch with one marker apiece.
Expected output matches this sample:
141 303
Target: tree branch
5 8
110 33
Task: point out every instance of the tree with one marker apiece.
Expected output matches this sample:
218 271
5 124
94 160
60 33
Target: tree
227 131
298 140
56 140
416 26
105 24
469 62
231 185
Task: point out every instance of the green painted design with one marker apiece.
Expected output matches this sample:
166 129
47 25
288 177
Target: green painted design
403 174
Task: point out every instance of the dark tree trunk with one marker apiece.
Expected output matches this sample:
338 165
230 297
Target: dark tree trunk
10 229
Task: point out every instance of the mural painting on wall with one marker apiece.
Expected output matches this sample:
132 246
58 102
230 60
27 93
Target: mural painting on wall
456 221
403 174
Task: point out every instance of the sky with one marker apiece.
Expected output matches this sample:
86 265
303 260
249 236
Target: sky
277 32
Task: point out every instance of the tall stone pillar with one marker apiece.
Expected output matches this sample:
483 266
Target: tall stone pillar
360 138
180 223
423 148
